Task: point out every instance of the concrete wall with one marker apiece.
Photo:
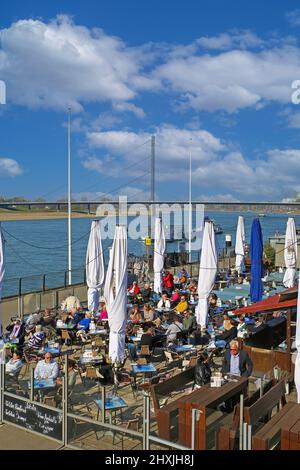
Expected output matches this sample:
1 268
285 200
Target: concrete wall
28 303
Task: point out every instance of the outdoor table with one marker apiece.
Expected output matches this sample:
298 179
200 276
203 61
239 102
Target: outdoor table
144 369
136 339
98 332
205 399
112 404
90 360
185 348
40 385
66 326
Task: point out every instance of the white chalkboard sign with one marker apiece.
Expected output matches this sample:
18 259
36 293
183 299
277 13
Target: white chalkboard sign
33 417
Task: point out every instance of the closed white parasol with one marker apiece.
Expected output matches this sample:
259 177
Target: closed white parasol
207 272
115 294
159 251
94 266
290 253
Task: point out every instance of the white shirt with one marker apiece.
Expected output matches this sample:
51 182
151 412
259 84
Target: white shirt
162 304
13 366
46 370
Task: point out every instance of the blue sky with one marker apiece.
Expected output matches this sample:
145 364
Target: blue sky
211 76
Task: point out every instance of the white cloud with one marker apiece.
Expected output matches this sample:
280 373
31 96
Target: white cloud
9 167
59 64
218 168
293 17
294 120
233 39
123 148
234 79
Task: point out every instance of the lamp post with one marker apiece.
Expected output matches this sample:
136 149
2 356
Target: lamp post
69 201
190 206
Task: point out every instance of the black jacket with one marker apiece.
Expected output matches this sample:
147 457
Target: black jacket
245 365
202 373
228 335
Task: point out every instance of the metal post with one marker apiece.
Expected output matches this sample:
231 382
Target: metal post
195 414
152 168
65 404
245 441
69 201
261 388
146 422
103 398
190 208
152 184
241 421
2 383
31 384
249 437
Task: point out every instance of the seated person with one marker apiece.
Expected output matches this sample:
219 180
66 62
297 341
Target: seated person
236 361
134 289
48 318
46 368
183 304
202 371
189 322
146 293
103 312
228 335
174 328
71 303
212 305
14 365
182 277
36 339
73 317
168 282
226 322
242 331
16 331
192 287
148 313
83 326
32 321
134 314
175 298
164 302
147 337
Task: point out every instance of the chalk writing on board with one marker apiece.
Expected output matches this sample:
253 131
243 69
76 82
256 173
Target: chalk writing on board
33 417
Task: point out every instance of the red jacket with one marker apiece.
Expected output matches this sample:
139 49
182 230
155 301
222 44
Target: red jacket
168 281
136 290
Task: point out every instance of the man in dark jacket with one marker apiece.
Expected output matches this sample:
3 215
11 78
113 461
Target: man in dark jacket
236 361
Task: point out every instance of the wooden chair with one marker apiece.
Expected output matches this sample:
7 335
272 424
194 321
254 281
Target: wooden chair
131 424
144 352
171 357
66 337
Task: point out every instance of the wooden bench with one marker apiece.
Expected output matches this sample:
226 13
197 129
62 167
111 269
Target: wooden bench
269 435
167 414
226 435
290 429
262 408
164 389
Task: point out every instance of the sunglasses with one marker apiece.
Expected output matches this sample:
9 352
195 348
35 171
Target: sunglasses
233 349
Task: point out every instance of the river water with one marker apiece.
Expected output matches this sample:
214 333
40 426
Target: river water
49 251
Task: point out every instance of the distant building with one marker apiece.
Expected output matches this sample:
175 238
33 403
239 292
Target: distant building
277 242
